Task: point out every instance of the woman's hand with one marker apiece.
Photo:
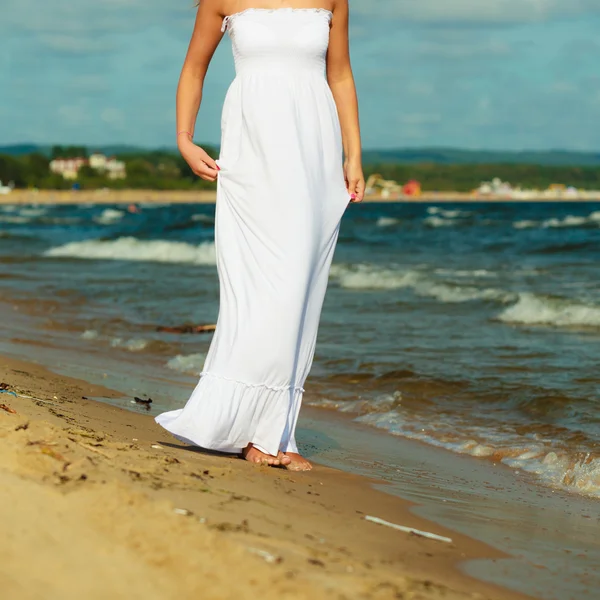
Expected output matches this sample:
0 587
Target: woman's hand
355 180
200 162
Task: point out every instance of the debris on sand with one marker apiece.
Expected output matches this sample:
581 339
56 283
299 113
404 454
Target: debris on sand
188 329
266 556
425 534
145 402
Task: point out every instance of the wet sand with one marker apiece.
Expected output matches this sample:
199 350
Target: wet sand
209 197
99 502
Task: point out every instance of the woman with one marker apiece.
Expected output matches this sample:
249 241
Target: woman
289 119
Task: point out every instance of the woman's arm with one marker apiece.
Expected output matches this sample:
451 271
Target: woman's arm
341 82
205 39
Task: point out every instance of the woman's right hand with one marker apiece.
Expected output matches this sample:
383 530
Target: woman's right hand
198 160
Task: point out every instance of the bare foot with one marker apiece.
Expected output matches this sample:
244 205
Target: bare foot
251 454
297 462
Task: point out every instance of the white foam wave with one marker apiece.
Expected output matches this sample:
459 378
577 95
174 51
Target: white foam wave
556 468
383 404
130 248
436 221
365 277
33 212
526 224
109 216
14 219
387 221
568 221
531 309
89 334
448 214
191 363
133 345
465 273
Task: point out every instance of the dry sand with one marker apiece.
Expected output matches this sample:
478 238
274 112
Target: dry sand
27 197
99 503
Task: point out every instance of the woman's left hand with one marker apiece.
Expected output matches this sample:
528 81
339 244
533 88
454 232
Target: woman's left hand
355 180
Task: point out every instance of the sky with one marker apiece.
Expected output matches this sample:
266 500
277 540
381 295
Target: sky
478 74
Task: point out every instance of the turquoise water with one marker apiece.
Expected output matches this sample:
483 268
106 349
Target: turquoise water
473 327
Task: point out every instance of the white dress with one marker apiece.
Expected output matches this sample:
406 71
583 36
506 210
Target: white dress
280 198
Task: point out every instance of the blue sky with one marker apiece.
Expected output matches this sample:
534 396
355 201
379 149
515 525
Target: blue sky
490 74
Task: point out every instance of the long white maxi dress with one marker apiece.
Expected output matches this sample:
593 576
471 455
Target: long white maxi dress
280 198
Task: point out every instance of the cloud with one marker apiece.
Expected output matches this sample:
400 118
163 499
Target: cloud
477 11
92 16
113 116
471 73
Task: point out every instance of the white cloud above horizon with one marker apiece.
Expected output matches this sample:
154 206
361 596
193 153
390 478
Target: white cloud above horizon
510 74
477 11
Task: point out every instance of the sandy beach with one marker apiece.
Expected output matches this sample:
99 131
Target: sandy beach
41 197
98 502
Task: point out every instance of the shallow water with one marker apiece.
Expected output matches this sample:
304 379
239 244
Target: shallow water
473 327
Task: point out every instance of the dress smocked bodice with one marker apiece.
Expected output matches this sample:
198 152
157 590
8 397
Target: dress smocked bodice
281 40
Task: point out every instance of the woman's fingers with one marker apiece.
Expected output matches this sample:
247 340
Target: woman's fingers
204 171
200 162
360 190
210 162
355 190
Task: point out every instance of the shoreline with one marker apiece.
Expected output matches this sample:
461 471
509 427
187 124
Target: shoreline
321 544
134 196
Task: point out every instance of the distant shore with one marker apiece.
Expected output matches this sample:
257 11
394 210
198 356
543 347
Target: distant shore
134 196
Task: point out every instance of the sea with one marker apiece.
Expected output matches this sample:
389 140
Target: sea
474 327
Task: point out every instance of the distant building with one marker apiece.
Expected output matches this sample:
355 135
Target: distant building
98 161
69 167
412 188
115 169
496 187
6 189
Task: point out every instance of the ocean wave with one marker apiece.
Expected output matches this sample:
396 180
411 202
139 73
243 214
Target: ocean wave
130 248
90 334
448 214
387 221
555 467
19 215
15 219
133 345
383 404
368 277
442 217
525 224
532 309
109 216
465 273
435 221
190 363
568 221
129 344
32 212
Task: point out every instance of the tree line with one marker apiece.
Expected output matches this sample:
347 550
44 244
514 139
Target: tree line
163 169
